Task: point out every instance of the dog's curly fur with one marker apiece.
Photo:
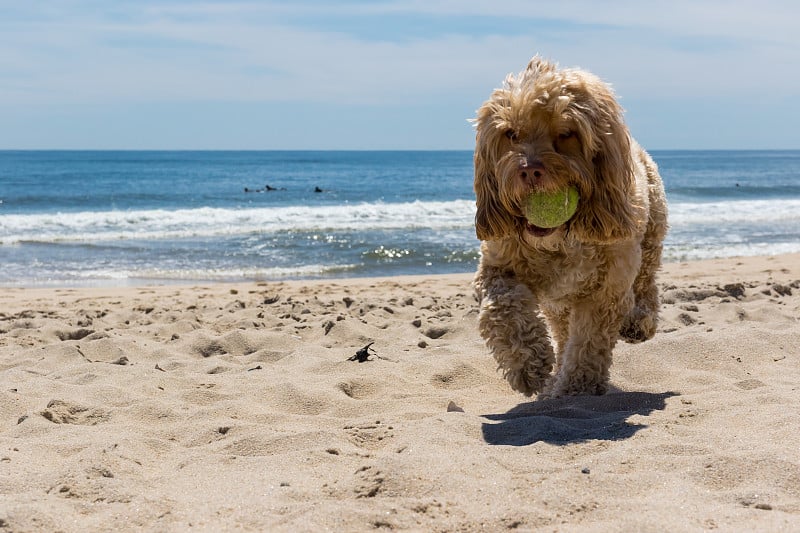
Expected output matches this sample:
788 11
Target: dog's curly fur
564 295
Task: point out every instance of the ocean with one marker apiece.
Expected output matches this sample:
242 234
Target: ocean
111 218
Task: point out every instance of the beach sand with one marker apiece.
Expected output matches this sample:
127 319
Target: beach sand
226 407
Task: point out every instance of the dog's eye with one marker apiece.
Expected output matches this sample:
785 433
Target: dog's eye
512 135
566 135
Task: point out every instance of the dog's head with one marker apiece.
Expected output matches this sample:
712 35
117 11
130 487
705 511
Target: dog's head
546 129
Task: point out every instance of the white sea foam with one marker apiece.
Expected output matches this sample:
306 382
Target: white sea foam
697 231
120 277
692 253
739 212
207 222
734 228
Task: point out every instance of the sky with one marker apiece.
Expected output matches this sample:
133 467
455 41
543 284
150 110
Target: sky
377 75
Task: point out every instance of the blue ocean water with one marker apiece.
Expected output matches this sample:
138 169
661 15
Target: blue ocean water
115 218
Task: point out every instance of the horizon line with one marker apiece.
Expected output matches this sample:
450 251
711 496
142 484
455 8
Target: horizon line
355 149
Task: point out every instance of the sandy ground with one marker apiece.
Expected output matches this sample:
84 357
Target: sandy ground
237 407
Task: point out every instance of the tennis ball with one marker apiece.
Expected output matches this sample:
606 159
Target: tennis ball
551 209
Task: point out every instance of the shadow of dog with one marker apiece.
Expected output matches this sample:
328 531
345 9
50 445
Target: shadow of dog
573 419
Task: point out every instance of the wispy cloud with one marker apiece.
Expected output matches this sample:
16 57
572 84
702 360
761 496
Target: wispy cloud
324 50
390 52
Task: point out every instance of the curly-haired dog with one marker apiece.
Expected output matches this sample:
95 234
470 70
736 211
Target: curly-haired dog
591 279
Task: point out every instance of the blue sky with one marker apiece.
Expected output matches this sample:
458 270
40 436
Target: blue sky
177 74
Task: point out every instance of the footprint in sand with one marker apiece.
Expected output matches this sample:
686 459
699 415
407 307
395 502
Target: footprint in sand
61 412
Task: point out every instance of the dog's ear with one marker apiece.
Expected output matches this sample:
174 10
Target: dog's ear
608 210
492 220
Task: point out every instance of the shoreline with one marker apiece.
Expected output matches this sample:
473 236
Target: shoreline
134 283
236 406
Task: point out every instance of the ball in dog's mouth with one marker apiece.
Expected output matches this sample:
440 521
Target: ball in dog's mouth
547 210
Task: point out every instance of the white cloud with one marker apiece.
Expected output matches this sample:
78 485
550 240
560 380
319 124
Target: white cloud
87 53
244 51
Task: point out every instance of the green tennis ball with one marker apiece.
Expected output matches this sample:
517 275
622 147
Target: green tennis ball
551 209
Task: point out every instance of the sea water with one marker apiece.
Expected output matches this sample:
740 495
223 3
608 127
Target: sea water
135 217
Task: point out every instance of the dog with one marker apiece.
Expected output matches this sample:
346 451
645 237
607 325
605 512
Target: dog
563 296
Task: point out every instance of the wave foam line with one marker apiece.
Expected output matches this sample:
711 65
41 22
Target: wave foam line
219 222
738 211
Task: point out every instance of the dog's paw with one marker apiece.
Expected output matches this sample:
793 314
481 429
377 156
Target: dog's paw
561 385
638 326
529 379
571 389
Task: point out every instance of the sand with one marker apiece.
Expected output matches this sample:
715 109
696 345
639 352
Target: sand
237 407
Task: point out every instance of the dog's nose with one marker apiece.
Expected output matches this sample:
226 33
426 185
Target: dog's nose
532 172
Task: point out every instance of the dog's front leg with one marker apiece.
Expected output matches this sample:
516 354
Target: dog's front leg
584 361
517 336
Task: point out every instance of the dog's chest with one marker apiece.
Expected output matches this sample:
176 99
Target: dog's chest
561 276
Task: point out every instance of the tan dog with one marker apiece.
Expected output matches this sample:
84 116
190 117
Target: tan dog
592 279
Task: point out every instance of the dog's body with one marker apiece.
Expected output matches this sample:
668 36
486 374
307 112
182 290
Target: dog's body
592 279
